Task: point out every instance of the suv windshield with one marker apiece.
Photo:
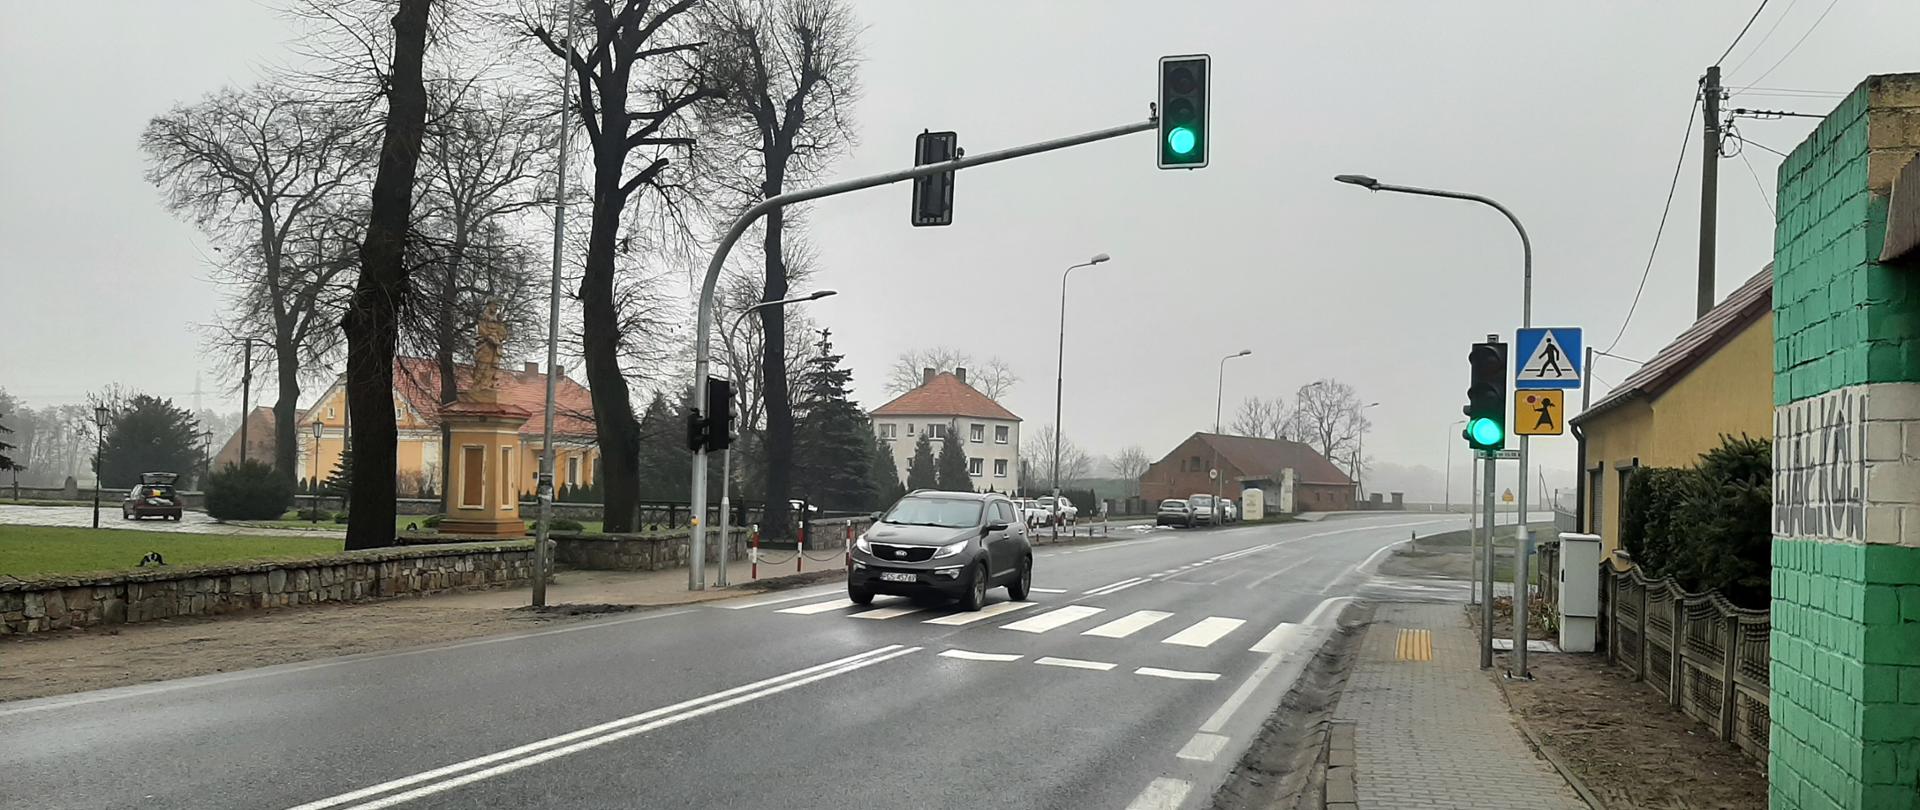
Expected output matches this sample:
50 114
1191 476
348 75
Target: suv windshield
952 513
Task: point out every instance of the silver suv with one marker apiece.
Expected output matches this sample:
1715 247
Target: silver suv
946 544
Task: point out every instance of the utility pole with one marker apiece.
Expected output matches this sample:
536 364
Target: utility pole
1709 187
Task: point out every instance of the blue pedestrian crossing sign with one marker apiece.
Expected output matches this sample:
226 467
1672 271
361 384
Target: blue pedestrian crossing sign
1547 357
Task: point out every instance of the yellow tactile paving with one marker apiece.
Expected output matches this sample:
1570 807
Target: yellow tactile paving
1414 645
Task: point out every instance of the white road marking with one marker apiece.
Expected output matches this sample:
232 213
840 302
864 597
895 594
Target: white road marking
1203 747
1073 663
888 612
1278 637
1177 674
1362 566
1205 632
1121 583
1054 618
982 614
1319 611
754 603
1118 588
1165 793
1278 571
1220 716
607 732
1048 590
969 655
818 607
1128 625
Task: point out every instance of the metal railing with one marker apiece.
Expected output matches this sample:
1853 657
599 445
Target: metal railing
1707 657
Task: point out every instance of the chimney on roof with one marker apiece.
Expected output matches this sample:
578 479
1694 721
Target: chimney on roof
533 368
926 375
961 372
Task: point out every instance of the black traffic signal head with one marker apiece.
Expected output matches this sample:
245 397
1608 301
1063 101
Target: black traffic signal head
933 194
696 430
1184 85
719 413
1486 408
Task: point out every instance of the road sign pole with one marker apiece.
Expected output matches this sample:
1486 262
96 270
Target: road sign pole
1486 568
1473 531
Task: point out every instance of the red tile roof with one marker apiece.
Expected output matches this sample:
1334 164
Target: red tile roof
945 395
418 381
1751 302
1265 458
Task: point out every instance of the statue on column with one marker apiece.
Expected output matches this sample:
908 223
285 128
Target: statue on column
492 334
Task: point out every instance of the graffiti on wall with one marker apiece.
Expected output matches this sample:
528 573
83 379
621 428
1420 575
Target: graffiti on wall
1819 466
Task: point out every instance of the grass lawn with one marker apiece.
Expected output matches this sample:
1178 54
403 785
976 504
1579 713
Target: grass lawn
27 551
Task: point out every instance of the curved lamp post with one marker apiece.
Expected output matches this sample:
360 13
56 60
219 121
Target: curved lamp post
1059 377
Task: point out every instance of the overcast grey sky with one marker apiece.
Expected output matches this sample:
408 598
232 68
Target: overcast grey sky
1571 114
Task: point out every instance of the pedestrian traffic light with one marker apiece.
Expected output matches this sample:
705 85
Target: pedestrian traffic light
1184 82
719 413
1486 408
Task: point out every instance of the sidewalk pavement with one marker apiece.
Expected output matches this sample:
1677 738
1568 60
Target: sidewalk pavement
1430 729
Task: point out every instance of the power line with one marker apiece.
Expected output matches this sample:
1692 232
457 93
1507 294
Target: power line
1686 138
1743 31
1762 187
1620 357
1762 146
1764 37
1796 44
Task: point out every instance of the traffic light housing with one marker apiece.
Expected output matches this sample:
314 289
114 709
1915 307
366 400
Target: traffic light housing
719 413
696 430
933 194
1486 408
1184 93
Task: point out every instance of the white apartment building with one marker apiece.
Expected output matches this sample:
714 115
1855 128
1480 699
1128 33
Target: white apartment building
944 401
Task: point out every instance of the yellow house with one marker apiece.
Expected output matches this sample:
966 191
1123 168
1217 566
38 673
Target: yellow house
416 386
1715 379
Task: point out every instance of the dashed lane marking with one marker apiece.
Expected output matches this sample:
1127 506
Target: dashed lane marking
1177 674
1074 663
969 655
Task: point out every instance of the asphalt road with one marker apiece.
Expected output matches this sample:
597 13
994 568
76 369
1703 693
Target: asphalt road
1134 679
190 522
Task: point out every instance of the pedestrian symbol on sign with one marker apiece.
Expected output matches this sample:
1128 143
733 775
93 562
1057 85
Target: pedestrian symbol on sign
1548 358
1538 412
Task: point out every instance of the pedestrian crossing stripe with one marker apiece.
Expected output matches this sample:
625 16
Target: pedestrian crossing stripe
1201 634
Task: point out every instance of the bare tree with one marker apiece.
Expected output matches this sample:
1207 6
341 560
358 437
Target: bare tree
372 321
783 75
264 171
1260 418
906 373
613 64
1036 453
995 378
1327 417
1131 463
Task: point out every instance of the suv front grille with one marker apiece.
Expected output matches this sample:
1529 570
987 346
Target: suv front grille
902 553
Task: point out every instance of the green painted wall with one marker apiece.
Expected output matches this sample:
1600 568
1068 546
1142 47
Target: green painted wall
1845 674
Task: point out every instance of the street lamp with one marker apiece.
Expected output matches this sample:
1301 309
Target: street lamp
1219 396
1521 541
313 490
1059 376
100 440
726 456
206 458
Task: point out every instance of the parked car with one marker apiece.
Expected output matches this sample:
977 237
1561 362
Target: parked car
1034 514
1174 512
1229 510
154 496
1203 513
953 544
1068 512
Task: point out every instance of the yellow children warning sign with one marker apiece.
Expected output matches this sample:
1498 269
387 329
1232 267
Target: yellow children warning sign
1538 413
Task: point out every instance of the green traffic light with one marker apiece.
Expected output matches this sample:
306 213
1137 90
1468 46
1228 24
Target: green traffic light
1181 140
1486 431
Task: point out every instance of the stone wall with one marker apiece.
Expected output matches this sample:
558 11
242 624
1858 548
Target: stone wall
54 603
654 552
1844 711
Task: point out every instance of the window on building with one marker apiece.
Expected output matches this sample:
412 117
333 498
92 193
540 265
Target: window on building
329 411
889 430
999 468
508 498
909 428
937 430
1000 434
1194 464
1595 479
976 433
976 467
573 471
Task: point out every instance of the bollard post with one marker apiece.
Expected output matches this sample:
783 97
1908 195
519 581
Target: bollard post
753 552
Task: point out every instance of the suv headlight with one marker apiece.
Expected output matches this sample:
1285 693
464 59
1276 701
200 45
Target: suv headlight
862 544
951 549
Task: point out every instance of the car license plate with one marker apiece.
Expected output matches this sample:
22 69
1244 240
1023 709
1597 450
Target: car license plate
897 576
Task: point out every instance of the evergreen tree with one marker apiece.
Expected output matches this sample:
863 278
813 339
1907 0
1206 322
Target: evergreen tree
885 475
148 434
832 437
340 481
920 469
952 475
665 463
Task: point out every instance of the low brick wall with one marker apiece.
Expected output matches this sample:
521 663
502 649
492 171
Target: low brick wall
637 552
55 603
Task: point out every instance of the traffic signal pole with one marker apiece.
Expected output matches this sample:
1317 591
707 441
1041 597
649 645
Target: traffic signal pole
1486 569
703 334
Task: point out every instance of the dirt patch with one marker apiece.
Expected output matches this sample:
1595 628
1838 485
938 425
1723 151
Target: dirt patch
59 663
1284 767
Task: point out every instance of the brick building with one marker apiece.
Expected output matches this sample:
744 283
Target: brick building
1246 462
